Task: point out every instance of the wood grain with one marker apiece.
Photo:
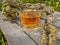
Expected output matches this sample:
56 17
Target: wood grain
15 35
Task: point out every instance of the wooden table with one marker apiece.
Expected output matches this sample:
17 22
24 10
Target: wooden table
15 35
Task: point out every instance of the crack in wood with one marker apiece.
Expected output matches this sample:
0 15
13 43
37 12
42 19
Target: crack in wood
26 33
31 38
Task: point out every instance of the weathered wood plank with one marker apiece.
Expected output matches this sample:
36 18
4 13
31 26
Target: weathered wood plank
37 36
14 35
57 24
57 19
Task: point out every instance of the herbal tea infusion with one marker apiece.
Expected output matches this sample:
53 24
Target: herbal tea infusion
29 18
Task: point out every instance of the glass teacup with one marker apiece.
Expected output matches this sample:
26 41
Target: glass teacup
29 19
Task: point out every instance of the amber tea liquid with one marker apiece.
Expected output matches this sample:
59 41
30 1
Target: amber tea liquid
29 19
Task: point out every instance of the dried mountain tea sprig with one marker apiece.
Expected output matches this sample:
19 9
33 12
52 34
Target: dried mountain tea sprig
10 9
